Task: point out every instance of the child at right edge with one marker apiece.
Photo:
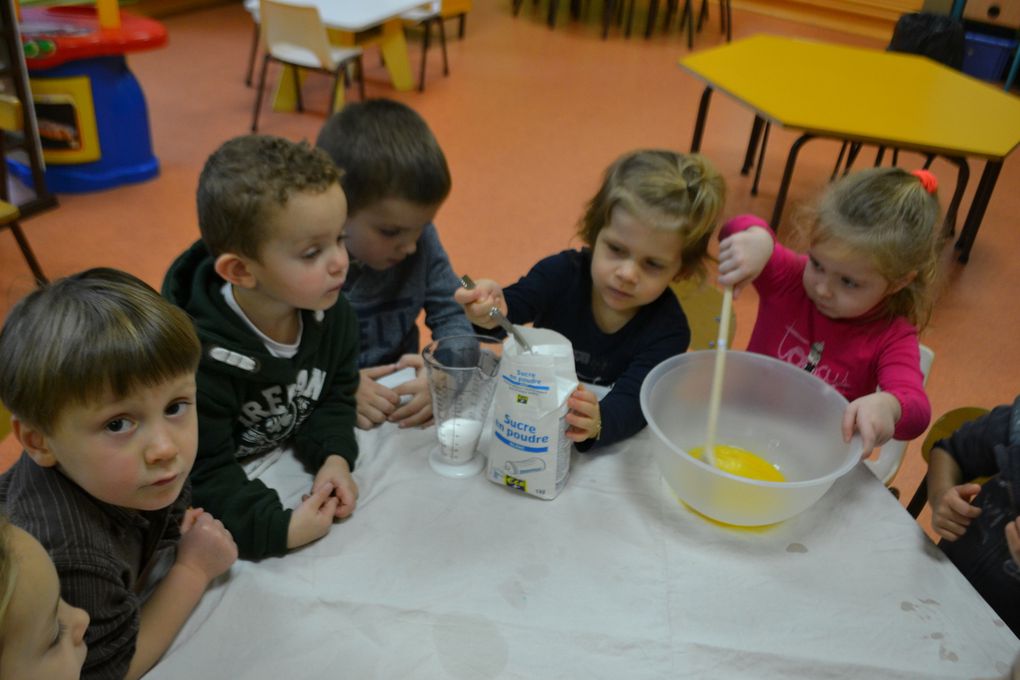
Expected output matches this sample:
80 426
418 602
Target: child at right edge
849 309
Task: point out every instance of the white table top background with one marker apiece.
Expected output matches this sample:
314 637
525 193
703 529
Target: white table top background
350 15
444 578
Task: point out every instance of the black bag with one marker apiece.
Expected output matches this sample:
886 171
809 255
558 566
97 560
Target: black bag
935 36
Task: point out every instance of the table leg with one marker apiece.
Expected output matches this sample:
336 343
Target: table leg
394 50
393 47
784 186
752 144
761 158
699 125
978 205
962 177
285 94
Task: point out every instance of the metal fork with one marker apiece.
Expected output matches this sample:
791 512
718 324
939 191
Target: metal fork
499 318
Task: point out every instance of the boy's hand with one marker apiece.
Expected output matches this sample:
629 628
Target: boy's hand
206 547
479 300
875 417
313 518
584 416
743 256
417 412
1013 539
375 402
952 512
337 473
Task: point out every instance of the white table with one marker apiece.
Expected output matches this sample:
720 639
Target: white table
358 22
441 578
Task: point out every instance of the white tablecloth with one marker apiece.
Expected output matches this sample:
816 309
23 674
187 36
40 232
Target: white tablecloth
443 578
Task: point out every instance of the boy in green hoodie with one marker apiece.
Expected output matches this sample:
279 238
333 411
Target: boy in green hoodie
279 342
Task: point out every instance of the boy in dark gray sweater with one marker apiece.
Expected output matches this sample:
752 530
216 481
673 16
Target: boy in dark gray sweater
395 178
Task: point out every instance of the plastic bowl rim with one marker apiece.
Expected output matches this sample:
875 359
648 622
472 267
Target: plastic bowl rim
666 364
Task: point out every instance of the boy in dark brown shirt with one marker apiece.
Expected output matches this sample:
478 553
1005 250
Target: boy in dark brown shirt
99 373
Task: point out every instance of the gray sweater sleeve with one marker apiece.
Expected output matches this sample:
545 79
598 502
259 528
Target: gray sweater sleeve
443 315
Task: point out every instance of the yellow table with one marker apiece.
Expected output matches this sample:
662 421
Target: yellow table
868 96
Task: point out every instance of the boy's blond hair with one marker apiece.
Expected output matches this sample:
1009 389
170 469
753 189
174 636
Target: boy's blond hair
665 190
249 177
86 336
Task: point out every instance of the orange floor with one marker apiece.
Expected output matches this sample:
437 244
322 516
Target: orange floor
528 117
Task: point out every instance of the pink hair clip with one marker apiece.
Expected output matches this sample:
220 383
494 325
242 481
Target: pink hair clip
928 180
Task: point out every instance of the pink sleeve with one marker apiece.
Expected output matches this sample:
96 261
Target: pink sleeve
899 374
743 223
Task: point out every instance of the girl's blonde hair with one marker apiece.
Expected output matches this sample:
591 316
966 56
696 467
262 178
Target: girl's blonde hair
888 215
665 190
8 576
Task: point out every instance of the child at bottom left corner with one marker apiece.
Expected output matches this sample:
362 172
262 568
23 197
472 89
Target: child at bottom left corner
37 640
98 372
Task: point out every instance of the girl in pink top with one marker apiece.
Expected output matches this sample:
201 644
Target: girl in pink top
849 310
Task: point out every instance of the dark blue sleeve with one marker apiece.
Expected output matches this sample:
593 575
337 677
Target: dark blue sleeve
620 410
537 291
973 445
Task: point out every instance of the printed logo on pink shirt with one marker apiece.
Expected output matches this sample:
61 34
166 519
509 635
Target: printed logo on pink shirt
794 349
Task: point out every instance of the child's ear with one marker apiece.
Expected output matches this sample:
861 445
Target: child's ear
35 443
902 283
234 269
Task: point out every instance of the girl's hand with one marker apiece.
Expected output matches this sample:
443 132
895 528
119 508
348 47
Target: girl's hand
875 417
743 256
479 300
584 417
952 513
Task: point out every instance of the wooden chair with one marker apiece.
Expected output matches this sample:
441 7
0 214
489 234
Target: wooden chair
425 17
702 303
11 120
947 424
889 459
295 36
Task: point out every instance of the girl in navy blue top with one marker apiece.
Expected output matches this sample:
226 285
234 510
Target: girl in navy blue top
649 224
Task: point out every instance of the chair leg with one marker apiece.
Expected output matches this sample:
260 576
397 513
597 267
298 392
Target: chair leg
702 14
424 53
554 7
653 11
517 6
251 57
761 158
26 251
920 497
839 160
297 89
962 178
461 25
608 9
361 77
442 44
258 93
671 7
